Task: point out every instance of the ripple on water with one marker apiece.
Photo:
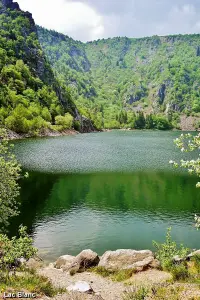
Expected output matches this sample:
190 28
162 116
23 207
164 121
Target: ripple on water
105 191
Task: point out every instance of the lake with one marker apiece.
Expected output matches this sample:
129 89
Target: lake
105 191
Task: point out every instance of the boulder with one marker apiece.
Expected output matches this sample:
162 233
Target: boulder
195 253
83 261
155 264
34 263
81 287
64 261
127 259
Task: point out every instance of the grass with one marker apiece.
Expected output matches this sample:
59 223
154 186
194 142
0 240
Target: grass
180 272
28 281
184 273
119 276
157 292
136 293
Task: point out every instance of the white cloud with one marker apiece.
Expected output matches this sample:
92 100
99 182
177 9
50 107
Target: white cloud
75 19
93 19
181 19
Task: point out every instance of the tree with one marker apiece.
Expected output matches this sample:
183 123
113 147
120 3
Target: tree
149 122
65 122
140 121
9 174
189 143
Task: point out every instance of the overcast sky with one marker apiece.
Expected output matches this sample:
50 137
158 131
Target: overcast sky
88 20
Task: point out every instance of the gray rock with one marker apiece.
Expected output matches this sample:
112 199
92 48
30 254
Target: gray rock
34 263
178 259
64 261
21 260
127 259
155 264
81 287
161 93
195 253
83 261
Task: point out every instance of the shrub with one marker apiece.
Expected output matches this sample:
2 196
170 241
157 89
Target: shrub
32 283
64 121
136 293
77 125
179 271
15 248
166 251
10 172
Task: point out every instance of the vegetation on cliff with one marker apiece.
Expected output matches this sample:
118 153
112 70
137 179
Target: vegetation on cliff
116 83
31 97
121 76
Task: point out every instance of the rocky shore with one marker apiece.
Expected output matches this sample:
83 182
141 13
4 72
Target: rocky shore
11 135
85 276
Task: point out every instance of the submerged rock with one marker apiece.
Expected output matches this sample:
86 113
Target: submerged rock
127 259
80 286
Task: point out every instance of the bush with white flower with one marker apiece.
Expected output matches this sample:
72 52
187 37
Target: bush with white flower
189 143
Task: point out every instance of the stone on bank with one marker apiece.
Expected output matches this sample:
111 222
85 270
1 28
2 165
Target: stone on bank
127 259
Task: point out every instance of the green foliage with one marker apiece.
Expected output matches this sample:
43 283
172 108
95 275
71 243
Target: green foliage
167 251
189 143
125 75
114 275
140 121
30 95
179 271
136 293
9 174
15 248
30 282
65 122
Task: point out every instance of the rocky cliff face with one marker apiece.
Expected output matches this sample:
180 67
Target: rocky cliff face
29 50
30 53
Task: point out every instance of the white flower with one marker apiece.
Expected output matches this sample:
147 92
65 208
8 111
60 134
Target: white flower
171 162
183 149
198 185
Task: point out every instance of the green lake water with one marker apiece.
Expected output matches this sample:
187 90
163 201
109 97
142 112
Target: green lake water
105 191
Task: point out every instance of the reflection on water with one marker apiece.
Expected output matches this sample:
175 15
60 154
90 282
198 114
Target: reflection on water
101 211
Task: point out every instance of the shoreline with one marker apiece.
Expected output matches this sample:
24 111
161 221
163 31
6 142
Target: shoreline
11 135
114 275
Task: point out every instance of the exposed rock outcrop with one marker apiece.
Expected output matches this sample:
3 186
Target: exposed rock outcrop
127 259
31 53
198 51
161 93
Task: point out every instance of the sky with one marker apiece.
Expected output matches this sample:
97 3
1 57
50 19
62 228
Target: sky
88 20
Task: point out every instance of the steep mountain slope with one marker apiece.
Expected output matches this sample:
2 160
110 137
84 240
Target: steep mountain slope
31 97
158 75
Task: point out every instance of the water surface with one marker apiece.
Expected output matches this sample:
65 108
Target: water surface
105 191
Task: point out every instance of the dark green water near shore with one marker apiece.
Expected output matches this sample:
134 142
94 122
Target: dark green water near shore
105 191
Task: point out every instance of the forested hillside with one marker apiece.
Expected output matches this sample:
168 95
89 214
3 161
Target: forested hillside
116 81
32 99
50 81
